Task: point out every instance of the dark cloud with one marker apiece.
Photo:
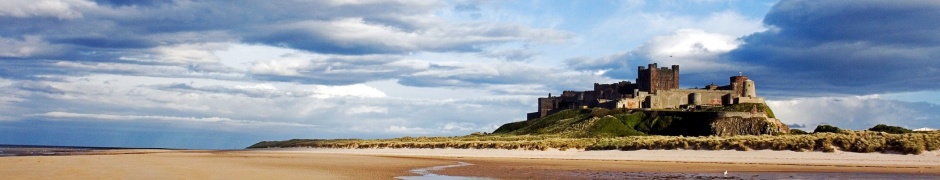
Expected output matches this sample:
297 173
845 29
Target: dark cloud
316 26
125 37
849 47
119 3
38 87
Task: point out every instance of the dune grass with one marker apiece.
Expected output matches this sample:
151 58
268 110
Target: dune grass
845 140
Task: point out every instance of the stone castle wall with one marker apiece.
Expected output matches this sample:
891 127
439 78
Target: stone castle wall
673 99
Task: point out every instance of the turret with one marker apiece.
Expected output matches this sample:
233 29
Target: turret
749 89
737 84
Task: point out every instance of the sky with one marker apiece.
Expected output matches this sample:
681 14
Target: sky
227 74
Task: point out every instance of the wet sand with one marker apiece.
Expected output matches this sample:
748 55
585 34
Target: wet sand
502 164
669 164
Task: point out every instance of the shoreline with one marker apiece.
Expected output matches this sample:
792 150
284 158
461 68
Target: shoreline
615 164
304 163
926 159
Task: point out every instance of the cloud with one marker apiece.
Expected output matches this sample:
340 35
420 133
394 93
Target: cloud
329 42
856 112
693 49
845 47
25 47
358 36
669 17
334 69
61 9
213 105
367 27
510 54
467 74
367 109
217 121
696 43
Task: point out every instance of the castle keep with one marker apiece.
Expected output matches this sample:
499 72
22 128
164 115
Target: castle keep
655 88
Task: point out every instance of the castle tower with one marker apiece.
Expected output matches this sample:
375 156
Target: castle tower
749 89
654 78
737 84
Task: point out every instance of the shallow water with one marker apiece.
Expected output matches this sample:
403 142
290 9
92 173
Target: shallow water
746 175
426 174
38 150
20 150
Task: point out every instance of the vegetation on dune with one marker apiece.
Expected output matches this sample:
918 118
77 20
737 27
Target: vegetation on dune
890 129
846 140
826 128
797 131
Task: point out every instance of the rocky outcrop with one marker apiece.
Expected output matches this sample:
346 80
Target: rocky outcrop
732 126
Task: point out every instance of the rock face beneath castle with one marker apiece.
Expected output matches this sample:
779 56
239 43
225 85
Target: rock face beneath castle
655 89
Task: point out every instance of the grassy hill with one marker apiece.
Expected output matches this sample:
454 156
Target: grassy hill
599 122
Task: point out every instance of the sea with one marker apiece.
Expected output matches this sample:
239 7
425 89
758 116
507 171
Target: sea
42 150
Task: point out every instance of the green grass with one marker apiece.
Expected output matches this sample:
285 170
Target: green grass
890 129
599 122
826 128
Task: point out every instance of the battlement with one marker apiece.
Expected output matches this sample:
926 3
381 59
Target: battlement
653 79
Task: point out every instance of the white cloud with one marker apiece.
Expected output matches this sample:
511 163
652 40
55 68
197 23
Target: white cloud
356 90
283 67
62 9
366 109
406 130
357 33
243 56
729 23
696 50
855 112
495 73
188 53
219 121
28 46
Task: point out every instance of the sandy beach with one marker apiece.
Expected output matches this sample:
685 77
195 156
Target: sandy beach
175 164
306 163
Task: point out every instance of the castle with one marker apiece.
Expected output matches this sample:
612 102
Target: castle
655 88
